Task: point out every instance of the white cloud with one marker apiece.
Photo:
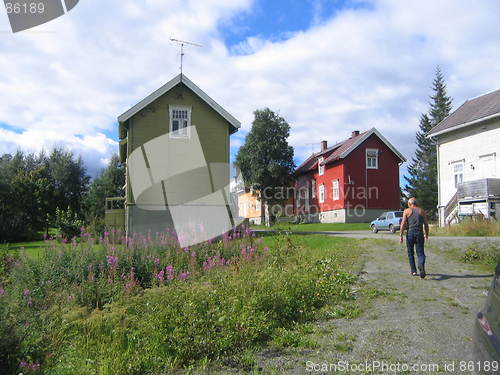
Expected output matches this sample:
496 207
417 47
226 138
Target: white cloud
362 68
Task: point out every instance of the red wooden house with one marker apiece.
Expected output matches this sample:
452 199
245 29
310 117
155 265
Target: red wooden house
352 181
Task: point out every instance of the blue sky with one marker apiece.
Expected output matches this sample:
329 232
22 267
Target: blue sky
279 20
328 67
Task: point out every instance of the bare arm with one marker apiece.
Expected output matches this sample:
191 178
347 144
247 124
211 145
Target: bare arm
426 223
402 227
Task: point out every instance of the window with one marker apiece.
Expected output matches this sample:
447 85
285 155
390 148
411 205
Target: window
321 168
390 216
371 158
321 193
398 214
458 172
336 192
180 121
313 188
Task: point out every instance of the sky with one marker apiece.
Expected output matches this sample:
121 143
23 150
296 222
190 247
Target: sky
327 66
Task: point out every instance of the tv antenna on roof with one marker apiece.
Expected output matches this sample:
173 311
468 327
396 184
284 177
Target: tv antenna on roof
183 43
312 146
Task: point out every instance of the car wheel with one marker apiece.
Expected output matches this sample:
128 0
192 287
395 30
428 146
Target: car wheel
392 228
374 229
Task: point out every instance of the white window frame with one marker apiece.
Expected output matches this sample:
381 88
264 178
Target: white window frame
335 190
313 188
321 168
371 165
456 179
321 193
173 134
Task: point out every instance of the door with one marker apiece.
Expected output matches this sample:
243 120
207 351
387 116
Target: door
382 221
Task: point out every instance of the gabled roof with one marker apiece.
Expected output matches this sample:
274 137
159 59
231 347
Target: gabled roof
473 111
343 149
181 78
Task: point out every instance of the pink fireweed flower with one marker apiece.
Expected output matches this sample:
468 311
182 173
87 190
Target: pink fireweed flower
186 250
169 270
193 254
183 275
112 260
2 291
160 275
26 292
156 261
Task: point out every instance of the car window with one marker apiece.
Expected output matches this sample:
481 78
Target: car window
390 215
382 217
398 214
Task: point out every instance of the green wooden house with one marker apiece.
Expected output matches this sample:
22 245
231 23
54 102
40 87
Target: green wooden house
175 143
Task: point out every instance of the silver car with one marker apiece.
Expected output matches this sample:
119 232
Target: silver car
387 221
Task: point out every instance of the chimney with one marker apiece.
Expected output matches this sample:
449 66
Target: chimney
324 145
355 133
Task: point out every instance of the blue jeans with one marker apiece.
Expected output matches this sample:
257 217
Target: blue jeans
415 239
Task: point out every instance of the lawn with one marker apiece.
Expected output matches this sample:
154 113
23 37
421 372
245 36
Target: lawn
153 307
32 248
316 227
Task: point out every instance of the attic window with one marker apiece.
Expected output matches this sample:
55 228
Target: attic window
371 158
321 168
180 121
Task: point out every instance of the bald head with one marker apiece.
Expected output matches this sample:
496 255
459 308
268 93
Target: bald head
412 202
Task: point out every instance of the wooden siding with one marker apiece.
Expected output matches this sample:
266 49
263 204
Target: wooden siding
153 121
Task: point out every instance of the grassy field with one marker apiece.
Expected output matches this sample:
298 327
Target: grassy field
478 228
316 227
154 307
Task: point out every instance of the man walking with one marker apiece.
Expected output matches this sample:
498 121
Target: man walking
415 219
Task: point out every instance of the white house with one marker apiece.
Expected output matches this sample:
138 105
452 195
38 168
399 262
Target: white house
468 149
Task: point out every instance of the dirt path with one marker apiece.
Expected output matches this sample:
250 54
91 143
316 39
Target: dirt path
424 322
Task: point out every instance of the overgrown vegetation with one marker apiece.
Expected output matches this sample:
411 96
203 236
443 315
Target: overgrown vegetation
478 228
94 307
488 255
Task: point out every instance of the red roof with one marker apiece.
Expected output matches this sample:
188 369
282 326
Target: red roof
331 154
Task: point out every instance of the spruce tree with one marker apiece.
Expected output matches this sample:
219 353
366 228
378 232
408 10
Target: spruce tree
422 179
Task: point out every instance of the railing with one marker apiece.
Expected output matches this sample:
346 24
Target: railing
451 206
116 203
481 188
114 216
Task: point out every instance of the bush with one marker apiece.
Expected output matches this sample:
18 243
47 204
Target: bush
68 223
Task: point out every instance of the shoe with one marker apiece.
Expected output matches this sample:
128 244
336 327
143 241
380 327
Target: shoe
421 268
414 274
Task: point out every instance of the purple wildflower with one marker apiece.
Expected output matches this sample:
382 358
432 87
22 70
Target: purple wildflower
193 254
156 261
170 272
112 260
26 292
161 275
2 291
183 275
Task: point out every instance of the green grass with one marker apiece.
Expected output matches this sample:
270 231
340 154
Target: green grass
316 227
32 248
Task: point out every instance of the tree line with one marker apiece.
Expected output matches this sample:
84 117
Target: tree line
37 191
